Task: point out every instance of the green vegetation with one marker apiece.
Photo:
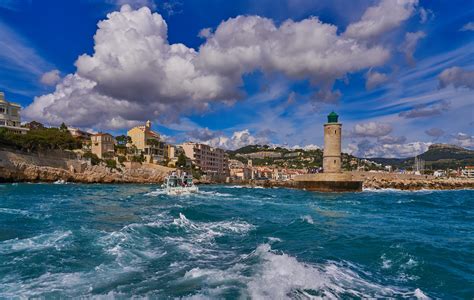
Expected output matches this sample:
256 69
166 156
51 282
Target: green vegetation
95 160
111 163
122 159
63 127
290 158
121 146
138 158
181 163
41 139
438 156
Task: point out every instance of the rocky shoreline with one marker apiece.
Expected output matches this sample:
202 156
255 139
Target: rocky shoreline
21 167
51 167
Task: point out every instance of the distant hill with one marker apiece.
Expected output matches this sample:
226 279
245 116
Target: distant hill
264 155
438 156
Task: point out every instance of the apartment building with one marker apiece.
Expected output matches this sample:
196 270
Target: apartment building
214 162
148 143
10 116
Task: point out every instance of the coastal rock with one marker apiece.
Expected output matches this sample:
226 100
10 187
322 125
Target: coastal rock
16 166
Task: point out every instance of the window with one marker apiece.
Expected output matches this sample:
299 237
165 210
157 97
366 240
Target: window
2 110
2 122
334 161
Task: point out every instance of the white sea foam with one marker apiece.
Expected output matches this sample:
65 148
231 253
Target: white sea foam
308 219
64 283
420 295
57 240
156 193
213 193
200 236
233 186
281 276
220 227
386 263
411 263
13 211
272 240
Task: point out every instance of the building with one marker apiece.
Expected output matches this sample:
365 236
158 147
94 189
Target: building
468 171
79 134
212 161
332 179
34 125
148 143
102 145
239 171
10 116
332 145
262 154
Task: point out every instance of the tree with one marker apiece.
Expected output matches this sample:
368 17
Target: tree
123 140
95 160
153 142
181 163
40 140
63 127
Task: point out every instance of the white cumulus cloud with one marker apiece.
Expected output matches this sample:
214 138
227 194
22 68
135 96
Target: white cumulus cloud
371 129
383 17
135 74
368 149
50 78
375 79
238 140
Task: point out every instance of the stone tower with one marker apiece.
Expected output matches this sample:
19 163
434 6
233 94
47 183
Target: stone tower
332 144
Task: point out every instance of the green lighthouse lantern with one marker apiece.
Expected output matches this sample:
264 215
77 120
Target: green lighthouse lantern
332 117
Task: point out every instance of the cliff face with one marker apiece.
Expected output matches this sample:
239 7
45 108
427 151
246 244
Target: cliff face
51 167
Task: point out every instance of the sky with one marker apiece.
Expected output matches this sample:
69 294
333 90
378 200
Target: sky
400 73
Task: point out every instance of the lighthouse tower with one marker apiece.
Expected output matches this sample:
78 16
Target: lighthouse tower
332 145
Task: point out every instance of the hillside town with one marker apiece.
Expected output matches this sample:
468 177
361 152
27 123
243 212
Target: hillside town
144 146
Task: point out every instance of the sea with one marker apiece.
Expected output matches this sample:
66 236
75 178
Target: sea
232 242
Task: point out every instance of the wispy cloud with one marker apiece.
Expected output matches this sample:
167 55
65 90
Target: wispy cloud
468 27
19 61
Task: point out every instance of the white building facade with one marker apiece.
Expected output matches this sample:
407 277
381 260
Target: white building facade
10 116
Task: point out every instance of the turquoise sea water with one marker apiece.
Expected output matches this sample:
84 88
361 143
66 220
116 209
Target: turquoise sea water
233 243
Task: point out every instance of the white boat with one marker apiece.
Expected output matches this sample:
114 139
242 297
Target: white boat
179 185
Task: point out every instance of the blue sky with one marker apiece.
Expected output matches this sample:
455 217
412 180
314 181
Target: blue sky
230 73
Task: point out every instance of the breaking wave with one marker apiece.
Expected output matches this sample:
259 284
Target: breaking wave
281 276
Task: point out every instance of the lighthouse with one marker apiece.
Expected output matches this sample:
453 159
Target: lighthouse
332 179
332 145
